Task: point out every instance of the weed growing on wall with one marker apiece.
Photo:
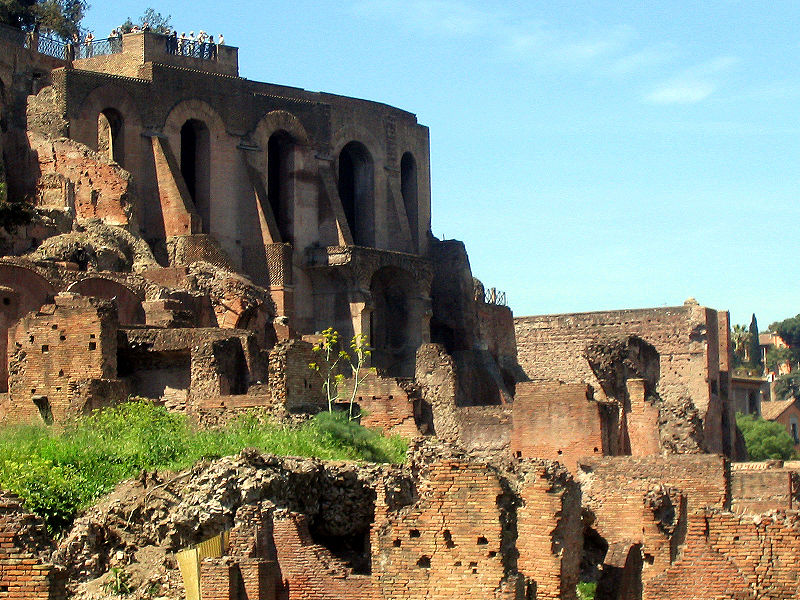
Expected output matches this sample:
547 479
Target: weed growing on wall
332 359
59 472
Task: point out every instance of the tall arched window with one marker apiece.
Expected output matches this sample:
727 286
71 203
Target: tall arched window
196 166
408 188
356 190
110 127
280 180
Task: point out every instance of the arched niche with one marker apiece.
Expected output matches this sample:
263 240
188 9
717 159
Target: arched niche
409 191
110 135
106 110
195 165
281 151
129 304
396 321
356 187
195 131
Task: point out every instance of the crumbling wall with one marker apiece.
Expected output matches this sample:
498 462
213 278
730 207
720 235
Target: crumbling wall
644 501
549 529
764 486
449 543
184 365
71 175
24 575
685 337
731 556
562 422
292 383
56 352
384 404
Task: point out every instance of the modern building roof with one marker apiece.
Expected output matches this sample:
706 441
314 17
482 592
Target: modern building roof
773 410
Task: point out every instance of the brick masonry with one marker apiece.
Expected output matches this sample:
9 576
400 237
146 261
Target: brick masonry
23 574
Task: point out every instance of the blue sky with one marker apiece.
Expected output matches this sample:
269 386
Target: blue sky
592 155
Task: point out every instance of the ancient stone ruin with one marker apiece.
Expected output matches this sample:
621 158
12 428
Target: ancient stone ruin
193 233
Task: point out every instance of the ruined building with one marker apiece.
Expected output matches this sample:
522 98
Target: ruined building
195 230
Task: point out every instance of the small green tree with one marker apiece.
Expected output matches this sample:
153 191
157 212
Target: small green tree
155 21
740 337
332 360
755 348
765 439
779 356
62 17
789 330
788 386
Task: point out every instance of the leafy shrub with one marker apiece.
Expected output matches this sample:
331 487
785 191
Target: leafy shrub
586 590
59 472
765 439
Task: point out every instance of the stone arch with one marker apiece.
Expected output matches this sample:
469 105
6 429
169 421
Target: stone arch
108 97
195 122
129 304
22 290
396 320
277 120
285 153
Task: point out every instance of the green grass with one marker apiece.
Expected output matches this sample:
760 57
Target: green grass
59 472
586 590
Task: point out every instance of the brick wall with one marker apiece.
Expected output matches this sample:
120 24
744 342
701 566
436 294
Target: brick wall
686 338
385 403
757 489
23 575
446 545
55 351
549 530
293 384
561 422
731 556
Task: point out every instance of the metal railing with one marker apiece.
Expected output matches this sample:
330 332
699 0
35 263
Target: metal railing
102 47
493 296
190 48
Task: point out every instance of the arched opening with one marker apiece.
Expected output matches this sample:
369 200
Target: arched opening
196 166
408 188
394 330
280 181
356 190
110 127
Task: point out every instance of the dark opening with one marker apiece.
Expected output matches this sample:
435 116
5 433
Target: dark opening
752 403
482 541
424 562
414 533
408 188
195 166
448 539
356 185
45 411
280 167
110 129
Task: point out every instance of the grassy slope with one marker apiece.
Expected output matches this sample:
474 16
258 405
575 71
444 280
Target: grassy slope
58 473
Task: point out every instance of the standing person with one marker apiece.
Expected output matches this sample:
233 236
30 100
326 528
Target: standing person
88 41
173 42
182 43
221 40
190 43
212 48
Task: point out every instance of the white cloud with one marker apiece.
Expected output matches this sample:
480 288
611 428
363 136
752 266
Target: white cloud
641 60
694 84
681 92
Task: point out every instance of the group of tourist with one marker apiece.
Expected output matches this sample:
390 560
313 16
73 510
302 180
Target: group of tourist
202 46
